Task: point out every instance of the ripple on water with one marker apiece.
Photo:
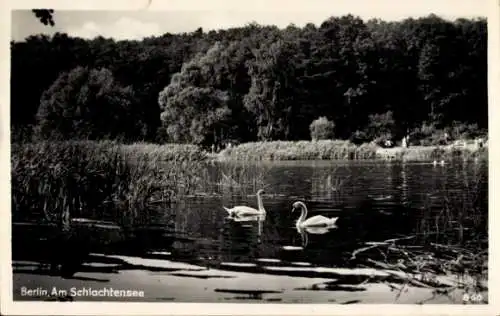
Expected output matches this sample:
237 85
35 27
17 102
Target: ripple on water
238 264
268 260
292 248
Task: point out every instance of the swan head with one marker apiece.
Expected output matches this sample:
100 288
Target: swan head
261 191
297 206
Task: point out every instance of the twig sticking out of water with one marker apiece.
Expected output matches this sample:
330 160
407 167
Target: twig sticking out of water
375 244
442 268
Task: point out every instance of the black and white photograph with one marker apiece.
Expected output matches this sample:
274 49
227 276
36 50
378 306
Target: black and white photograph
333 154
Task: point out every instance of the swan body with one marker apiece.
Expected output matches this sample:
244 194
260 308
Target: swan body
317 230
248 218
381 197
242 210
315 221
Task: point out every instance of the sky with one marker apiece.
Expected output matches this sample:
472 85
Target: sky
158 19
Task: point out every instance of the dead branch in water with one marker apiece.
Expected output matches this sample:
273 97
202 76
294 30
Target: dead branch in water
441 268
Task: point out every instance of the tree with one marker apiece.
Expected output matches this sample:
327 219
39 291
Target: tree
267 81
322 128
45 16
271 95
193 110
35 64
88 104
381 126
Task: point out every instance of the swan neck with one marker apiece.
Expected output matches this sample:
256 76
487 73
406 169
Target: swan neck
303 213
260 205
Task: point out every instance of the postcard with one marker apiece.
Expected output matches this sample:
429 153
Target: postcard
264 157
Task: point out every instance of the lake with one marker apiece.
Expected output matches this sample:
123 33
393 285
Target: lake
374 201
195 253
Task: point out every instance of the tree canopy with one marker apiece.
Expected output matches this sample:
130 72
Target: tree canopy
254 82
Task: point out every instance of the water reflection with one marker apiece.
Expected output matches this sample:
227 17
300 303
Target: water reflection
249 218
304 232
252 218
240 238
374 202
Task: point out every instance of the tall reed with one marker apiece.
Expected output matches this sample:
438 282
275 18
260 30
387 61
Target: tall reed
460 217
99 180
344 150
298 150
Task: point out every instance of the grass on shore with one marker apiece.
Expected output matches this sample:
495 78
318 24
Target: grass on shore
101 180
300 150
344 150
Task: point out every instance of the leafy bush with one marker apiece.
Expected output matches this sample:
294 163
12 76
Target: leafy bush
381 126
321 128
461 130
359 137
429 135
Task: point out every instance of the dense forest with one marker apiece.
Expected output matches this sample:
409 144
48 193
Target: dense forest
358 79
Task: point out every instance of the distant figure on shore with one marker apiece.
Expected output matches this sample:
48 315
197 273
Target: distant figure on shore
213 148
405 141
446 138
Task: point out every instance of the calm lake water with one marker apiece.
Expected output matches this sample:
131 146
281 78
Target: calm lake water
374 202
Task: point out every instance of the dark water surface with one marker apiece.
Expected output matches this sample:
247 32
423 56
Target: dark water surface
374 202
195 253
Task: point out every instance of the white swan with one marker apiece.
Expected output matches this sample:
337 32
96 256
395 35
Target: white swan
315 221
249 218
242 210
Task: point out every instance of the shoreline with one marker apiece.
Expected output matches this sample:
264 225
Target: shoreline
344 150
173 281
326 150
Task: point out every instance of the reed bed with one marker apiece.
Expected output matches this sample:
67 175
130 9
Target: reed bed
344 150
53 181
245 177
165 152
430 153
299 150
